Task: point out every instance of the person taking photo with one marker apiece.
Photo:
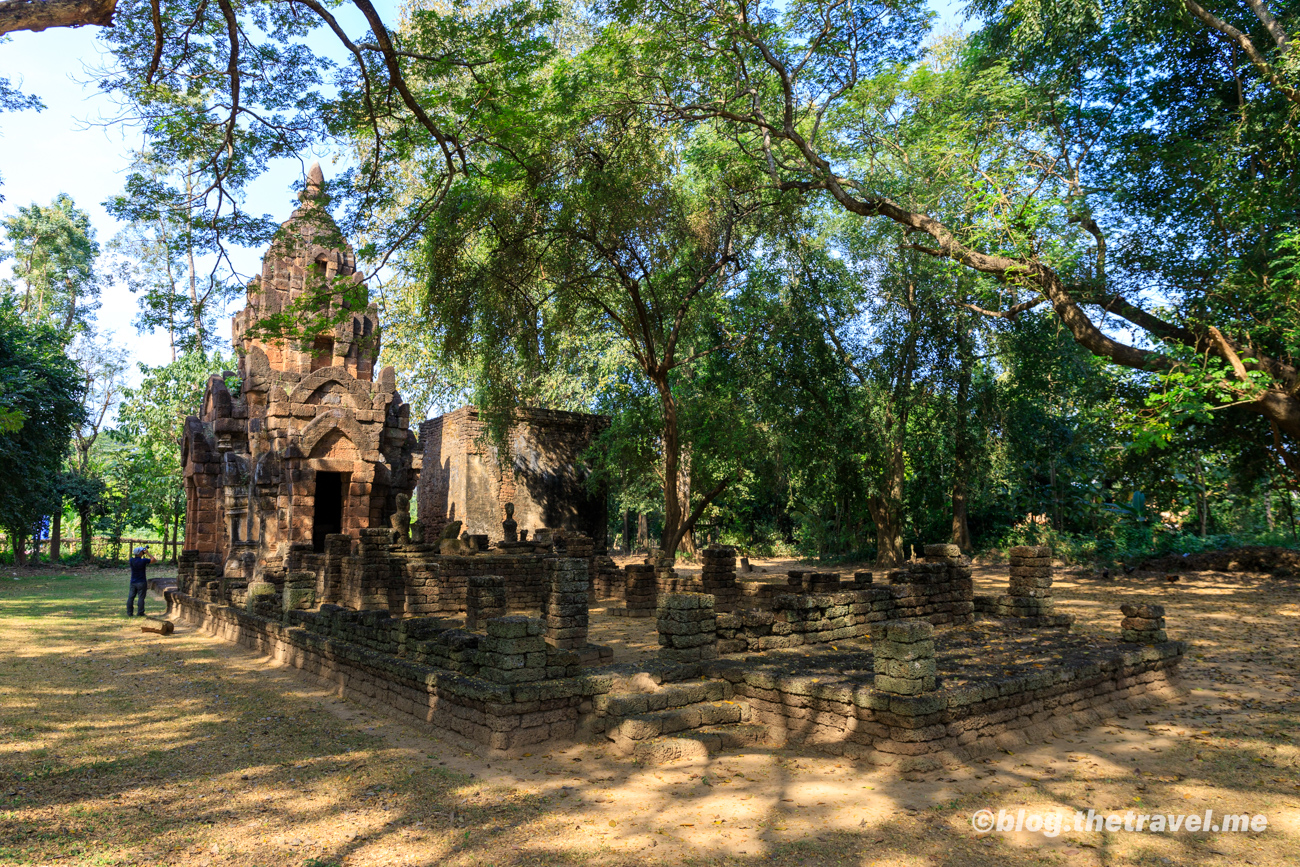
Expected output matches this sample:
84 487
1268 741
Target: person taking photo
139 561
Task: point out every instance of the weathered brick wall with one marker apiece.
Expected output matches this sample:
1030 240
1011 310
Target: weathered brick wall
486 598
476 686
524 577
854 718
939 591
462 478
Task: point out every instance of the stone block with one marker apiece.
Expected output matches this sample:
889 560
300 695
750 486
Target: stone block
1131 636
899 685
1141 623
908 668
515 626
1149 612
902 631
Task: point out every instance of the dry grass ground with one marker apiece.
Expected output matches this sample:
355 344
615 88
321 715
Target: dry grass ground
118 747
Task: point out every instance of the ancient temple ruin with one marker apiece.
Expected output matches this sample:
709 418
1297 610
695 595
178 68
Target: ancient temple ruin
309 443
299 544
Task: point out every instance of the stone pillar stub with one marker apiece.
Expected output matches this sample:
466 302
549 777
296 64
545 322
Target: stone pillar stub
1030 590
1143 624
485 598
687 626
904 656
565 609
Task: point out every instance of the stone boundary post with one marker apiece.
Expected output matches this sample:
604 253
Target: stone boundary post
904 656
299 593
718 576
485 598
1143 624
256 592
641 590
374 553
565 610
1030 593
687 626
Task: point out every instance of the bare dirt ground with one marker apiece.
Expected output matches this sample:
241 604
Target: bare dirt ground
119 747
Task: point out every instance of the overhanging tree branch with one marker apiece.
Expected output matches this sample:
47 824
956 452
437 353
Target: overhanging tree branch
37 15
1241 40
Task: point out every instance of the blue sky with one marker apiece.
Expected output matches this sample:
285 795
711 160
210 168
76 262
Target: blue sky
70 147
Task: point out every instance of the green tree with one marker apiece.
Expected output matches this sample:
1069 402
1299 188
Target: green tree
53 251
1012 166
101 368
606 224
40 399
150 424
172 227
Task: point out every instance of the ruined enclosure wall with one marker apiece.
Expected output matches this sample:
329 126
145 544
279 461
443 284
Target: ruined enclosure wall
860 720
452 679
937 591
438 585
463 479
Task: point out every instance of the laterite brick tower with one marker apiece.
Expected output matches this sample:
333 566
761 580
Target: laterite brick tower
312 444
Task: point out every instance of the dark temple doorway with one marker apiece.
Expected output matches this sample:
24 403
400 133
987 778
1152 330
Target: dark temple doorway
328 514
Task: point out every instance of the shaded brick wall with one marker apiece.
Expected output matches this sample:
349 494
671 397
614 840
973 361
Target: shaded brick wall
462 478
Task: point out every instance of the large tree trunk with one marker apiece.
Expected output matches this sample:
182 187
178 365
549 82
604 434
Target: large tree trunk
962 450
86 526
887 507
1202 502
20 549
1056 497
642 531
679 517
671 534
960 525
687 544
56 534
889 532
39 14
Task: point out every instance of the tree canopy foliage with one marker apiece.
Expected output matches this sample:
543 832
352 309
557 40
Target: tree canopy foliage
40 402
837 280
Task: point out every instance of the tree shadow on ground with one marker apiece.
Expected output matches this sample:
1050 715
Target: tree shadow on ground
190 751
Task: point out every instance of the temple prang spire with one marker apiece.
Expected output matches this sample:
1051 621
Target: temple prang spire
314 444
